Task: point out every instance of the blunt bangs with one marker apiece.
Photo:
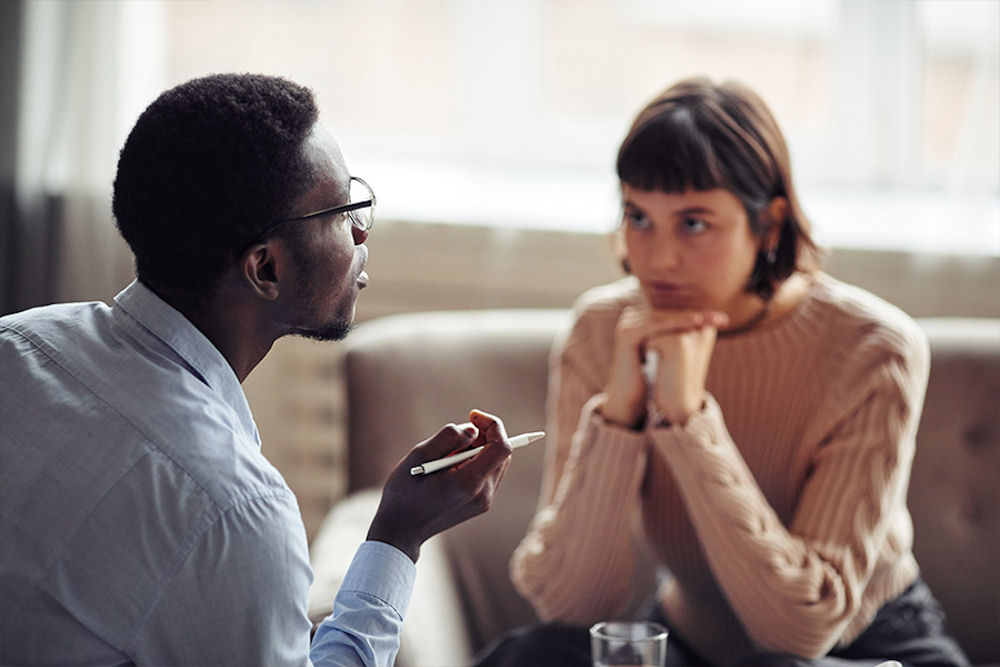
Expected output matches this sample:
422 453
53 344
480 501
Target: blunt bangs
668 152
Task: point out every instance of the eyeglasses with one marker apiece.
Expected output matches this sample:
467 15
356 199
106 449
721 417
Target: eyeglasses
361 209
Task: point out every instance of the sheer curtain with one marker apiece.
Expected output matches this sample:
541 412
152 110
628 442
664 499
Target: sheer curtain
84 71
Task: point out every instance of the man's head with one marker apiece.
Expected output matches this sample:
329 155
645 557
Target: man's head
209 165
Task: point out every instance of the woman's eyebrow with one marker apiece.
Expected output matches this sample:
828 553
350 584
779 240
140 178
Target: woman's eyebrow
695 210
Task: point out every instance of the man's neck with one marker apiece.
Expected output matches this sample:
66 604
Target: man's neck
235 335
233 329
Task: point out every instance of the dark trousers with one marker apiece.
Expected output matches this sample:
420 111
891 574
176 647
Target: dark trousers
909 629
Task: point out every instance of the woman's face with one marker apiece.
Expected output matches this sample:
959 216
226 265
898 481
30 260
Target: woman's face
690 250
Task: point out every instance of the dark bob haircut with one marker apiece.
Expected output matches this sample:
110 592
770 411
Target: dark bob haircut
207 166
699 135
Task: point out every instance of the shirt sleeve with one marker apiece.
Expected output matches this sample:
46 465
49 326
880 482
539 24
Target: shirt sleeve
368 610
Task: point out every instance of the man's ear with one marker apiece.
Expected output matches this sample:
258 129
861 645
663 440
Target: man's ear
775 215
260 269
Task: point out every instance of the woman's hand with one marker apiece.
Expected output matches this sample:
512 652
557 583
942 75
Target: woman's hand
641 328
684 357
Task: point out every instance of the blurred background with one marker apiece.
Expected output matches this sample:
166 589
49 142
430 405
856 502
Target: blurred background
488 130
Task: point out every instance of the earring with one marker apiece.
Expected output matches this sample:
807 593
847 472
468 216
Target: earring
771 256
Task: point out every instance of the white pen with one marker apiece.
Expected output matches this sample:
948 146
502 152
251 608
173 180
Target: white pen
433 466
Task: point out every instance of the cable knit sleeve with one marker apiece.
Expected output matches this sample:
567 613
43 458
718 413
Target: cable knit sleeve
576 561
799 589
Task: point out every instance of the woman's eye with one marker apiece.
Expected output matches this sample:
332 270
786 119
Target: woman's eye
636 219
694 225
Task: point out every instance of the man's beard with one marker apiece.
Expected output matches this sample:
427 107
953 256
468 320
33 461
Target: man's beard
336 330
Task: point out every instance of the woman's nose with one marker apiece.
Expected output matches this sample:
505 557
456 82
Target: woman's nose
666 256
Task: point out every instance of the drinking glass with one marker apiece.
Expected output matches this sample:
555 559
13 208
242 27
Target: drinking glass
628 644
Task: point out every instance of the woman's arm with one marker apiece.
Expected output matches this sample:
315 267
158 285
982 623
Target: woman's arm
579 549
796 588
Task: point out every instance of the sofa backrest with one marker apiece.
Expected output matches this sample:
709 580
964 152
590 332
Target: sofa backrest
407 375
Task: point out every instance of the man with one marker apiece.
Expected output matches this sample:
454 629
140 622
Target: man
140 522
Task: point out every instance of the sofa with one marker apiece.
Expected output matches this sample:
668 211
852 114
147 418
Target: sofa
407 375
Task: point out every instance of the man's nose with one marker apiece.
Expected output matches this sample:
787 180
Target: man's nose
360 235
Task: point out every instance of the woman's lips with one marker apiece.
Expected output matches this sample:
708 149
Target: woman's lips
668 294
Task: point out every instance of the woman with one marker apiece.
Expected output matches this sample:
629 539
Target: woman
753 415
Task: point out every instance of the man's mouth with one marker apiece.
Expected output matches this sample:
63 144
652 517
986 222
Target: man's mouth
362 274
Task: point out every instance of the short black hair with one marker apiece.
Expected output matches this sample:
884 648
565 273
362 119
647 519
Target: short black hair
207 166
700 135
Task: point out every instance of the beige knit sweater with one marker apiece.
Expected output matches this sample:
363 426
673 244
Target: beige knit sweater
779 509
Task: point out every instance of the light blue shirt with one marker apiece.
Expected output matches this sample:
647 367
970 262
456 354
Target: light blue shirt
139 521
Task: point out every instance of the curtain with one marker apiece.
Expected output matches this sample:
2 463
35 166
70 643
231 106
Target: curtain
82 71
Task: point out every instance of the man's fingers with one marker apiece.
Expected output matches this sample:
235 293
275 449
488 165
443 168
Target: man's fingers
496 449
491 461
449 440
484 430
490 426
489 483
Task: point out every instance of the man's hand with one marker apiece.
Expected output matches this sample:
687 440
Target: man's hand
415 508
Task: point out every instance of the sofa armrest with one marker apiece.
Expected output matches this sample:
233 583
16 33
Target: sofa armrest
434 630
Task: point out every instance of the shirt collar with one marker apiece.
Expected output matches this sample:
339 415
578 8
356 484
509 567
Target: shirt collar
166 323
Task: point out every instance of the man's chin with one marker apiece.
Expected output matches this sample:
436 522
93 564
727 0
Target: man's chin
336 331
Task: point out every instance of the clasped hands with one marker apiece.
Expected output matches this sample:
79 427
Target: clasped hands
683 341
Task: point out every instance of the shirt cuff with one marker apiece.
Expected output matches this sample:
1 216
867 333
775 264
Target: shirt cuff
384 572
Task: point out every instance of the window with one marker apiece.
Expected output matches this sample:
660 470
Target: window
514 109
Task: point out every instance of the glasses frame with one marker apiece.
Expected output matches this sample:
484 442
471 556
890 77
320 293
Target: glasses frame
344 208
